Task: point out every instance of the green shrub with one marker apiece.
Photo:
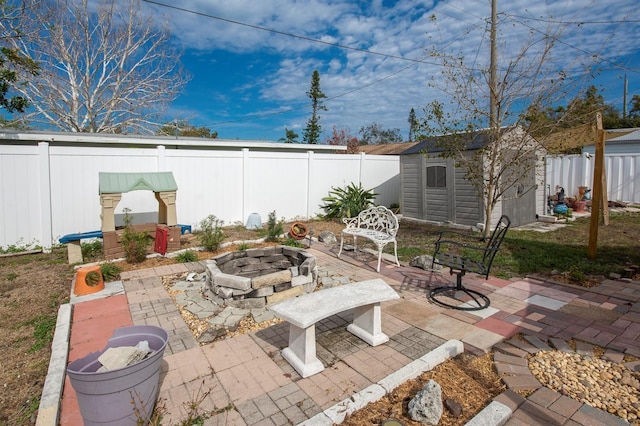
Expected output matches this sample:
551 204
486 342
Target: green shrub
211 234
92 250
135 244
19 247
243 247
348 201
187 256
274 228
292 242
110 271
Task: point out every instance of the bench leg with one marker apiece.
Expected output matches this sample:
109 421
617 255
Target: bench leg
367 324
301 352
74 252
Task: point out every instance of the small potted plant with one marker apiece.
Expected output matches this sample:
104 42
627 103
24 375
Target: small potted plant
298 231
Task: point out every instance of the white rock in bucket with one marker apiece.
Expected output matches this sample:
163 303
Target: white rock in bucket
123 356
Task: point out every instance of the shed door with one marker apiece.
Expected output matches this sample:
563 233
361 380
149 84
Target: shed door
519 201
438 192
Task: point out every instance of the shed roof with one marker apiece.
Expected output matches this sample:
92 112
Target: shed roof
117 183
472 141
386 148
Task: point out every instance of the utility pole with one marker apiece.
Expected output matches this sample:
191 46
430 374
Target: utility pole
624 97
493 69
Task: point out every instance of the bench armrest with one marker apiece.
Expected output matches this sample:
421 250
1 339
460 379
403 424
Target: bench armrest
351 222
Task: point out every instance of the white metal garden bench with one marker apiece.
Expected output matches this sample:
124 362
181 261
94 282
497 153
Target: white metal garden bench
378 224
303 312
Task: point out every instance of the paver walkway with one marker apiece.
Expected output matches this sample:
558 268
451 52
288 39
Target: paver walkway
248 376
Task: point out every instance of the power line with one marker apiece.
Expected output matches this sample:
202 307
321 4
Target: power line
270 30
554 21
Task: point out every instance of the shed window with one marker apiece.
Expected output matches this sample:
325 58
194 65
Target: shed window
436 177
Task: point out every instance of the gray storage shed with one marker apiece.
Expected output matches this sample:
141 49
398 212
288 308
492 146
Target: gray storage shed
434 189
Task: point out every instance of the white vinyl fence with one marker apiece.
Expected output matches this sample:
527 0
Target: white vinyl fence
47 191
50 190
571 171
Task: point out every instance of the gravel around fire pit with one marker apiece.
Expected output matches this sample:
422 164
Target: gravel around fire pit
602 384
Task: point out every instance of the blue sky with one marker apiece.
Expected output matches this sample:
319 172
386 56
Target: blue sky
248 83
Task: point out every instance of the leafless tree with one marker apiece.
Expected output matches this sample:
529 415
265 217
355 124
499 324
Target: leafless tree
105 66
488 99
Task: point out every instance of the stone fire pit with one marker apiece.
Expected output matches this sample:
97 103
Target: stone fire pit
254 278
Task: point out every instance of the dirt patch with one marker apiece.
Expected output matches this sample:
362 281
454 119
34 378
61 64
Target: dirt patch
470 381
32 287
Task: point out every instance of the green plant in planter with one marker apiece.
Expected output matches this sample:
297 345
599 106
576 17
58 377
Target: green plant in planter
348 201
135 244
211 234
93 278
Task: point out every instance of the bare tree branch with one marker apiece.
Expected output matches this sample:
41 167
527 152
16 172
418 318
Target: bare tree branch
109 68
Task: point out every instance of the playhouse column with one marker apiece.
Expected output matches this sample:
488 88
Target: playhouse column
167 208
109 203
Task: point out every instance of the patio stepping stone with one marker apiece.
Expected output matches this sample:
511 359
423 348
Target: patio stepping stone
585 349
561 345
537 343
525 346
508 349
613 356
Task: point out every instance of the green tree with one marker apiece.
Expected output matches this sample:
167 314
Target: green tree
635 107
580 111
413 124
182 128
313 129
12 61
374 134
289 136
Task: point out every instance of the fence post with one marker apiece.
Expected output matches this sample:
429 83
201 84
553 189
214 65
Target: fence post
161 164
245 183
310 175
362 160
44 184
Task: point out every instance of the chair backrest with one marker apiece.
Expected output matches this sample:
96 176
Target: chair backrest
379 218
495 241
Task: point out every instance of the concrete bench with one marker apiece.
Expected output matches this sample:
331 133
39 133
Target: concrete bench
305 311
378 224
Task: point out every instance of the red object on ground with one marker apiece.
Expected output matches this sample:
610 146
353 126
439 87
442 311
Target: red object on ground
160 245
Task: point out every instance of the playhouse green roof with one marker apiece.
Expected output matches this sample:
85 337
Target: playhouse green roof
117 183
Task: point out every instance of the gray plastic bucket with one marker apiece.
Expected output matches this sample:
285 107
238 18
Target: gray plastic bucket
108 397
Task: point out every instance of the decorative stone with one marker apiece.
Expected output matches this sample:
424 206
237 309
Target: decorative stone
211 334
247 303
283 295
272 279
327 237
453 407
426 407
232 281
423 262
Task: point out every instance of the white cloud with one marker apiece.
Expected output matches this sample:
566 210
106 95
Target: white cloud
362 87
